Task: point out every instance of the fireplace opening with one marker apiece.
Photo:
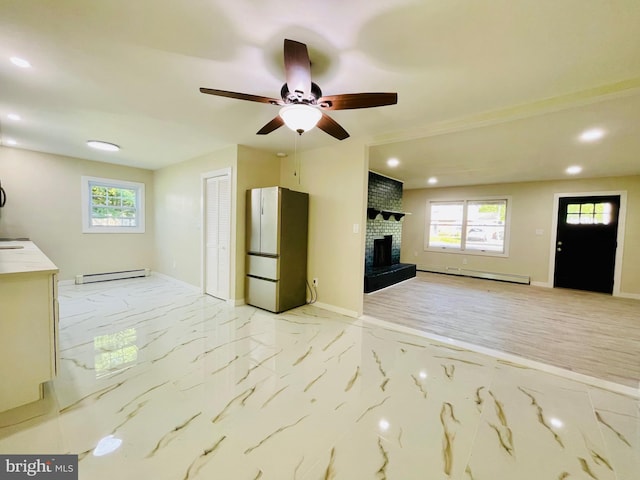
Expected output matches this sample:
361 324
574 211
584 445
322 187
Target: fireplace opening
382 251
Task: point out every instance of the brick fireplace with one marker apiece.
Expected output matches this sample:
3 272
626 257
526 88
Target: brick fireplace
384 235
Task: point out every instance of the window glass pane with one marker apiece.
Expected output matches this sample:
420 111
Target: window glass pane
445 229
98 190
486 225
573 208
573 218
471 225
586 219
113 207
587 208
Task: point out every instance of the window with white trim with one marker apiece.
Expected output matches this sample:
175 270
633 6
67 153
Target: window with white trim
112 206
469 226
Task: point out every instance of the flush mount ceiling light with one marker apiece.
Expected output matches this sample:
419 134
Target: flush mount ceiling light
20 62
573 170
14 116
105 146
432 181
393 162
592 135
300 118
11 141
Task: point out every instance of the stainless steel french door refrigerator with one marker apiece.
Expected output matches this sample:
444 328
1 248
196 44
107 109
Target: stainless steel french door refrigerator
277 220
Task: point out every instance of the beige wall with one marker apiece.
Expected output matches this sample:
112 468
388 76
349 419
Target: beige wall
532 209
334 177
178 191
179 212
43 204
336 180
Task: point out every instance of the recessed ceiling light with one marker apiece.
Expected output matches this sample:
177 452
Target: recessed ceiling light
592 135
281 155
106 146
573 170
11 141
432 181
393 162
14 116
20 62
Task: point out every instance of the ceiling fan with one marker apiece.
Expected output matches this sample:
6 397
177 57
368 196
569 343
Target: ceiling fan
302 100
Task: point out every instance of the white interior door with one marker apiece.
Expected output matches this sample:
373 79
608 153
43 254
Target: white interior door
217 235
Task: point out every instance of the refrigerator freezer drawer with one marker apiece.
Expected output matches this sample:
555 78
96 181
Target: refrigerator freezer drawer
264 267
263 293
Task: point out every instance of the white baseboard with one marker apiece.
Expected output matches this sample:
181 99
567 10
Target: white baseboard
333 308
172 279
635 296
542 284
237 302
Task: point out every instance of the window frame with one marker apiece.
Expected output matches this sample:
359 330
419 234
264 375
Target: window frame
86 184
465 226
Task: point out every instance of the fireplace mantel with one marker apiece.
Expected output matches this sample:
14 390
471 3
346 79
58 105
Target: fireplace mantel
386 214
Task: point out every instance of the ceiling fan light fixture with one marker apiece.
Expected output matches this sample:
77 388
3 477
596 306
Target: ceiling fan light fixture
300 118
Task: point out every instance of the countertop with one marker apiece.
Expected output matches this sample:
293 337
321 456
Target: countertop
28 259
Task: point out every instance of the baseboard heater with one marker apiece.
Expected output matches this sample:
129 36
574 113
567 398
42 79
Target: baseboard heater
504 277
105 277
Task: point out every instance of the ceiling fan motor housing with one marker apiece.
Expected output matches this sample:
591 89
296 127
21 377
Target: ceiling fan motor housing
298 97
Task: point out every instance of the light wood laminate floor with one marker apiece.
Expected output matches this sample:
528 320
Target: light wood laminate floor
588 333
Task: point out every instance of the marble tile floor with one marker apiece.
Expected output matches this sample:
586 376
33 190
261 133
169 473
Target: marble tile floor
158 381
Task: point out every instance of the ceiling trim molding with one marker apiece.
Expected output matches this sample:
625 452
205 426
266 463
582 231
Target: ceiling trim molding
625 88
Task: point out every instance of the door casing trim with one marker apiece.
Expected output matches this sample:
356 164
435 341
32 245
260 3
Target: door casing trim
622 213
228 172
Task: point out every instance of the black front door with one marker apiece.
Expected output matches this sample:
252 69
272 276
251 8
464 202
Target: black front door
586 243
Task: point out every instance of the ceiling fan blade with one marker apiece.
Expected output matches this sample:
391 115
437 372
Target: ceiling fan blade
242 96
271 126
357 100
333 128
297 67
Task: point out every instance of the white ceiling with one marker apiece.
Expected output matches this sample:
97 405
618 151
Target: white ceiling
488 91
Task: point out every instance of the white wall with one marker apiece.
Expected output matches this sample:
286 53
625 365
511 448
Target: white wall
43 204
532 209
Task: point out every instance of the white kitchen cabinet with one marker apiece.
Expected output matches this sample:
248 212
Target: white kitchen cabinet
28 323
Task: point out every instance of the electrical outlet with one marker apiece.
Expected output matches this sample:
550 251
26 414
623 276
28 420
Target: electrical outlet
315 282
